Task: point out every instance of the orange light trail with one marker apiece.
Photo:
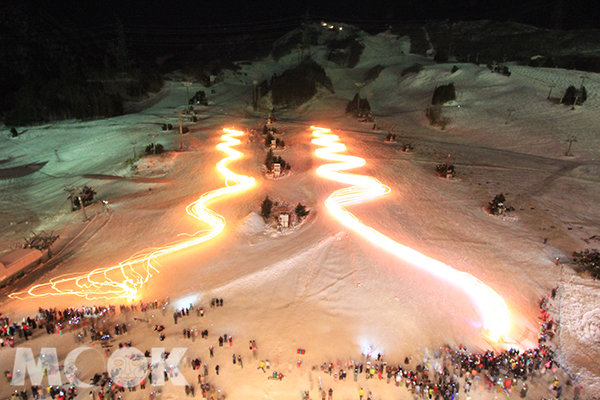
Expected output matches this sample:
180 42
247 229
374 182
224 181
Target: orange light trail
125 279
491 307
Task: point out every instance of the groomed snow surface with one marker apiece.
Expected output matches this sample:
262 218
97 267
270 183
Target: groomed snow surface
319 286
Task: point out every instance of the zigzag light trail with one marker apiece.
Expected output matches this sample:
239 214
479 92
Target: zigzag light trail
491 307
125 279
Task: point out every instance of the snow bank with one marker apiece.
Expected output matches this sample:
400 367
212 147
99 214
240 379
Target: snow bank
252 225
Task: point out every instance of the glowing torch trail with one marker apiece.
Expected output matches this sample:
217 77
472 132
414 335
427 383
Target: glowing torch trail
491 307
125 279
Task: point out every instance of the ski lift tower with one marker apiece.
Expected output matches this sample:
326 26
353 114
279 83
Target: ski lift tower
187 92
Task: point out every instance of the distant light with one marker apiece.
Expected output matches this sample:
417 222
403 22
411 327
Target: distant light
341 28
330 26
324 23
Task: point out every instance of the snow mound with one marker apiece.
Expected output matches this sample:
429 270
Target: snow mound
253 224
589 330
385 48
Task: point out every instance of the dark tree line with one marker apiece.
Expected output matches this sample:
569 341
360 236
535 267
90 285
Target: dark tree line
49 72
298 85
63 98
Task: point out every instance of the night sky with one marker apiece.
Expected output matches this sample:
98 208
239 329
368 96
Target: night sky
157 28
93 14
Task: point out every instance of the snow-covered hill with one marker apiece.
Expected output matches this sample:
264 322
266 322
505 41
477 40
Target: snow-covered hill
319 286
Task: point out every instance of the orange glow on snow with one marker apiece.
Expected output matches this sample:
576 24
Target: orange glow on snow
491 307
125 279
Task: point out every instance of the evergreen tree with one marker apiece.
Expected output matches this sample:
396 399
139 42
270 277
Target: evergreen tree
265 208
443 94
301 211
497 205
280 161
268 139
574 96
269 160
